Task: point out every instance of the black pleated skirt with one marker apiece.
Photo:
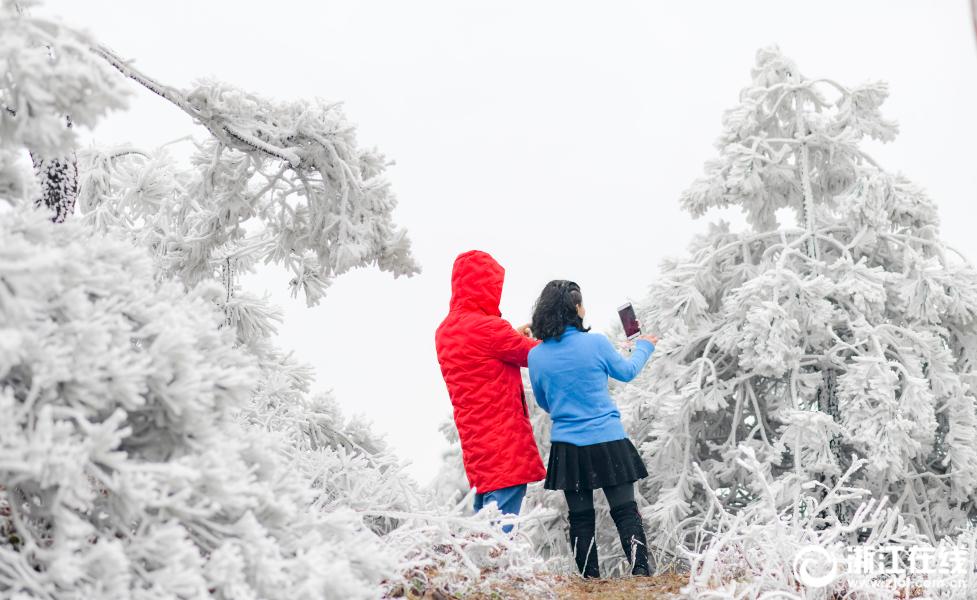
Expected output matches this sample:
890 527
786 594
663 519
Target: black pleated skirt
577 468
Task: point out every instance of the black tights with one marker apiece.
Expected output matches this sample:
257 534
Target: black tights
616 495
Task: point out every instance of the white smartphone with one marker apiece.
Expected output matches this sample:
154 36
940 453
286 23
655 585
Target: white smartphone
629 320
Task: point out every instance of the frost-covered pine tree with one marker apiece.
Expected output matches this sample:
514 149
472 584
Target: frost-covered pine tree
125 472
848 336
49 86
319 206
125 469
158 444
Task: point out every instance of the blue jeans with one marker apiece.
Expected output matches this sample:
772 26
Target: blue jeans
509 500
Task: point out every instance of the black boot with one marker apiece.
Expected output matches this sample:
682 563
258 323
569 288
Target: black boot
583 544
632 532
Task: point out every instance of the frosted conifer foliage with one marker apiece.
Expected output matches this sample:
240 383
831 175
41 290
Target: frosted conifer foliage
278 182
49 74
849 335
123 471
157 443
49 82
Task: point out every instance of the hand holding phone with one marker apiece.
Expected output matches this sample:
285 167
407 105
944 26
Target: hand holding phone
629 320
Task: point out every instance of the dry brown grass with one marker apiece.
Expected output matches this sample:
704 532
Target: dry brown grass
659 587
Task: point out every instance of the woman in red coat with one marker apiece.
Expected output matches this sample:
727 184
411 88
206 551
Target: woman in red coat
480 356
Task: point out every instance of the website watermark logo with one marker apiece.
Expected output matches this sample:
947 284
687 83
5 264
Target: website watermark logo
890 566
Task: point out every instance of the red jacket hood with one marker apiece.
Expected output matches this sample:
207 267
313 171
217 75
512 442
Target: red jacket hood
476 283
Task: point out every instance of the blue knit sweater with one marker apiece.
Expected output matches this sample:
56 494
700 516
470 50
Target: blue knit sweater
569 379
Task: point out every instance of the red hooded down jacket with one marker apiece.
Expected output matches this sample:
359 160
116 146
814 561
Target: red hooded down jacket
480 356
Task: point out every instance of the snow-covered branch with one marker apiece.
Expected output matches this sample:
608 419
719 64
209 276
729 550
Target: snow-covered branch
229 134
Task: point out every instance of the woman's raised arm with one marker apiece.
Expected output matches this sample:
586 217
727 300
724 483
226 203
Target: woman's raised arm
625 369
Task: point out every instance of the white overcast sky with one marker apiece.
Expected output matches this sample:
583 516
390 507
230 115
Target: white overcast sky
555 135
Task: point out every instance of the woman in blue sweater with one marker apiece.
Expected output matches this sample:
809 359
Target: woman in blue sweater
589 450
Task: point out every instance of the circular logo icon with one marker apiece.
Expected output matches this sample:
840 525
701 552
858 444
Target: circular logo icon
814 566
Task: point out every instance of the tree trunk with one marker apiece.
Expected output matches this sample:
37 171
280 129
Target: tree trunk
59 184
58 178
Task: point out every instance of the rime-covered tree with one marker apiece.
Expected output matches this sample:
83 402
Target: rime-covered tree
278 182
849 335
157 443
57 176
126 469
49 84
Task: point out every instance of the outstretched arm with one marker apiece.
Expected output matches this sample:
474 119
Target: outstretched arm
620 368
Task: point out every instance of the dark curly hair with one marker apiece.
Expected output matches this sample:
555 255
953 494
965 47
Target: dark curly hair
556 308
